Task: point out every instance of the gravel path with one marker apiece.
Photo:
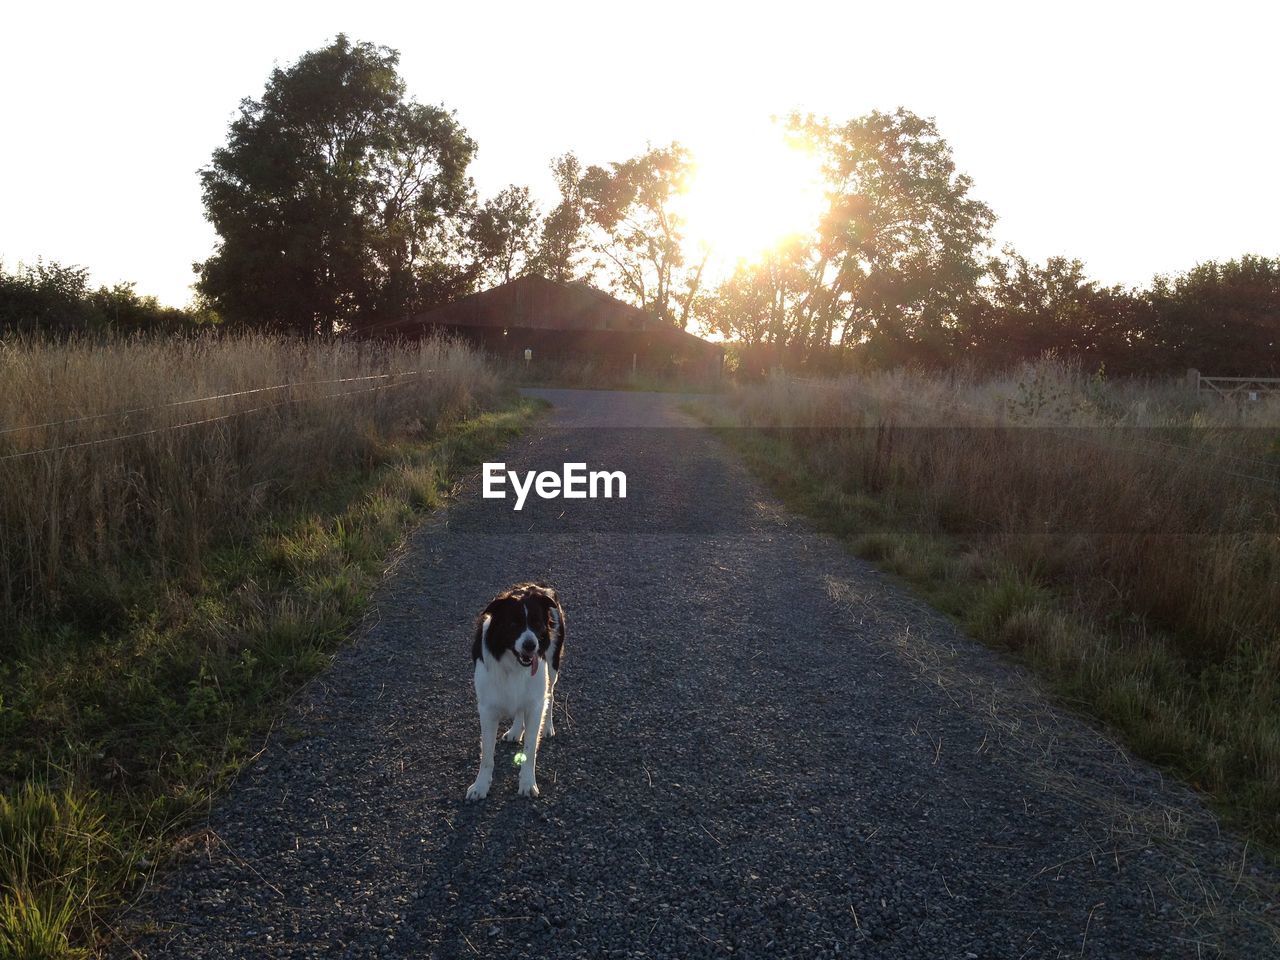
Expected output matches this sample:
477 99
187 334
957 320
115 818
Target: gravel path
765 749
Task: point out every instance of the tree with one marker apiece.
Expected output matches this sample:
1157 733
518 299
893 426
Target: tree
641 238
757 305
337 200
51 298
504 232
1025 310
561 245
1221 318
754 305
899 251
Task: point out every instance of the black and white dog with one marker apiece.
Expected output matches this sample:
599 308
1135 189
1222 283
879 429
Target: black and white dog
517 648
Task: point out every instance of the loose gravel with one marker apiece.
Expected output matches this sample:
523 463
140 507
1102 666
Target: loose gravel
765 749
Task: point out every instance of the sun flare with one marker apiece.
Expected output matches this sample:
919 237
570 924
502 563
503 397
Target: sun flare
750 191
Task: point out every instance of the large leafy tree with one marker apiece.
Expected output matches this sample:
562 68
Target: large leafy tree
640 236
337 199
900 250
1025 309
563 240
892 270
504 232
1221 317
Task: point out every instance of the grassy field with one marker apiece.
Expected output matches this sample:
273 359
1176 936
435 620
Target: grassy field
162 596
1123 540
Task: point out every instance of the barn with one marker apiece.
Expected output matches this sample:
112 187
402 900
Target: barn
568 322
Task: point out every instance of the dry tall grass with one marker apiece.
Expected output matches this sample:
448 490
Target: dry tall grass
1128 536
81 523
188 529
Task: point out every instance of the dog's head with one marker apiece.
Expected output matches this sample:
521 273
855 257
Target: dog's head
520 621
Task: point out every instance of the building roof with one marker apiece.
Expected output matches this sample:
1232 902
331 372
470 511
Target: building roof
534 302
565 317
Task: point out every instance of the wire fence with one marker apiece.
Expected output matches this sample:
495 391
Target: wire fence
50 450
1073 435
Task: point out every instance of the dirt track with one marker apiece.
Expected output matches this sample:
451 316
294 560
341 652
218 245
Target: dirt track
764 749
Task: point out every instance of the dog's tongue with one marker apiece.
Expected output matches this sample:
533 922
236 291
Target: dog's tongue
533 668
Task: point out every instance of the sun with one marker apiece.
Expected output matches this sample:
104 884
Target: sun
750 190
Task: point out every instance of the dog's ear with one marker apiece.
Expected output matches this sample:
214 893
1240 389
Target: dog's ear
483 623
548 593
550 601
477 642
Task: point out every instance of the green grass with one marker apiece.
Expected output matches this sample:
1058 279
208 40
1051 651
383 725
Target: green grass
1206 724
119 724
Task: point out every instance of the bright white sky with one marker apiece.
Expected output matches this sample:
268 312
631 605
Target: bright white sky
1140 137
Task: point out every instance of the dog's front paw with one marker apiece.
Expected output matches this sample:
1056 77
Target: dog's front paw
528 789
513 735
478 790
